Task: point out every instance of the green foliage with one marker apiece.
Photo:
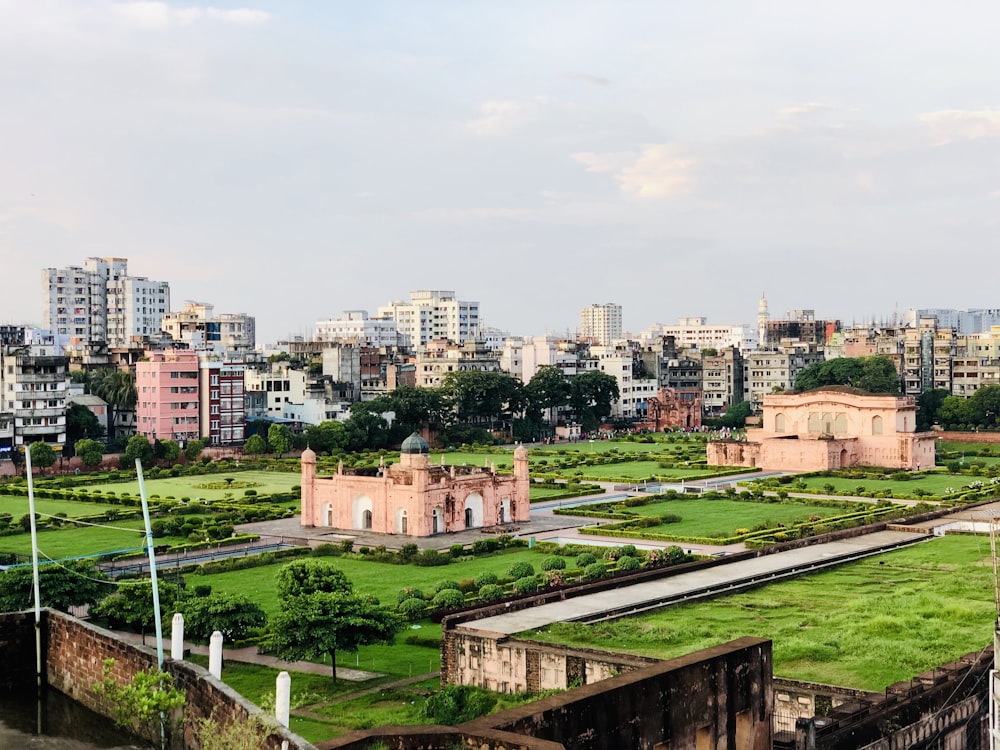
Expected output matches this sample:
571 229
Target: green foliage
448 599
232 615
303 577
193 449
491 592
255 445
520 570
413 608
279 438
485 578
736 415
140 704
409 593
457 704
584 559
250 733
553 563
91 452
594 571
69 584
445 585
526 585
875 374
629 563
430 558
42 455
131 605
82 424
138 447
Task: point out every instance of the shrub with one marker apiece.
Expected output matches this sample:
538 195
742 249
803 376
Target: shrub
446 585
327 550
485 578
594 571
520 570
408 551
430 558
584 559
553 563
413 608
457 704
448 599
629 563
409 593
485 546
491 592
456 550
526 585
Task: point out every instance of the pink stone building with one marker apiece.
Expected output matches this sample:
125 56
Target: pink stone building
415 497
830 428
167 395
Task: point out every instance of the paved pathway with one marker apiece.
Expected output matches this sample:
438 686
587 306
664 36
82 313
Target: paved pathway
687 586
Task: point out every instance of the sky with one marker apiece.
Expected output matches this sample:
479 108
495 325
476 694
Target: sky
295 159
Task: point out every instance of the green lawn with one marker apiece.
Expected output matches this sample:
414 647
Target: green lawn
933 482
864 625
383 580
700 517
85 540
18 506
541 493
178 487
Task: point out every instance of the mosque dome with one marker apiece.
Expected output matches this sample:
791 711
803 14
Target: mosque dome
415 444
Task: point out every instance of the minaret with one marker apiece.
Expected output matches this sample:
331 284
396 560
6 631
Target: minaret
521 502
762 317
308 488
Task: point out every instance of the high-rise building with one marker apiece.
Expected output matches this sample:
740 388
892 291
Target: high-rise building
199 327
601 324
698 333
356 327
221 405
167 395
33 382
431 315
100 304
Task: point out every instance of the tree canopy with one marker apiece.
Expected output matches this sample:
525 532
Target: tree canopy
61 586
981 409
870 374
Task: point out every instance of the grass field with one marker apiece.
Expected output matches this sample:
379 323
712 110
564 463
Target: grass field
864 625
721 518
82 541
933 482
178 487
383 580
18 506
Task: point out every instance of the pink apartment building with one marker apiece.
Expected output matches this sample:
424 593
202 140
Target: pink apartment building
167 395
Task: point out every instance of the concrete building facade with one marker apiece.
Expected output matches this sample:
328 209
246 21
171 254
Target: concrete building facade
221 403
432 314
601 324
167 395
355 327
198 326
33 382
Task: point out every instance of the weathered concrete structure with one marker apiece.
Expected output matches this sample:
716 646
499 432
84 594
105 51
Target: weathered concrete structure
73 662
674 408
415 498
830 428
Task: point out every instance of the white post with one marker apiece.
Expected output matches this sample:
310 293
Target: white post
157 618
177 637
34 567
215 655
283 698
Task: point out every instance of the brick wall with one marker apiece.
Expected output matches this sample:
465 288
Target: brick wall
75 652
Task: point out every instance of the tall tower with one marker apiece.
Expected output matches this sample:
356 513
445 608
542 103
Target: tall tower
762 317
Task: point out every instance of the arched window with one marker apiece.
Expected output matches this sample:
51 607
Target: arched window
366 520
402 522
468 518
840 424
876 425
815 425
436 521
779 422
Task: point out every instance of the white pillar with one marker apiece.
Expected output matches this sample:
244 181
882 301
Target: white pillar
177 637
282 698
215 655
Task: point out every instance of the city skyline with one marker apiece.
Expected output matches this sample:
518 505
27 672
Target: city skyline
293 160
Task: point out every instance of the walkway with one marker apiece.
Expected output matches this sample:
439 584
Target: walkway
697 584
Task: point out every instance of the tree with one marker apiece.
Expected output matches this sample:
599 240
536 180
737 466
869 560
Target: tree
928 404
736 415
321 614
42 455
233 615
255 446
138 447
117 388
167 450
279 438
193 450
955 411
548 388
327 437
321 624
90 452
870 374
68 584
483 398
591 396
131 606
366 431
82 423
986 406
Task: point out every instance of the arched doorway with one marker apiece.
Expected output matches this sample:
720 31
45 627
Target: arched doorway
469 519
474 510
843 458
401 522
437 526
361 512
327 514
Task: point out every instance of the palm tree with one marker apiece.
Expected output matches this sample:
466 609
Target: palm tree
117 388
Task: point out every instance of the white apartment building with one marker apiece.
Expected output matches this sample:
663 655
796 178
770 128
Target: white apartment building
198 326
101 304
279 384
435 361
431 315
633 392
697 333
774 371
357 328
33 383
601 324
522 357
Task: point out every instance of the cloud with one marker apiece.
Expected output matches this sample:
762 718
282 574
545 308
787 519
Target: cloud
660 170
498 117
950 125
150 15
805 109
589 78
